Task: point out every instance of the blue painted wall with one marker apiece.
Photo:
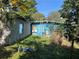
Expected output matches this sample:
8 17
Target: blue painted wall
43 29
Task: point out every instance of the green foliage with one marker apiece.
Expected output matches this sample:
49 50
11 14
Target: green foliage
23 8
68 5
70 11
43 49
4 53
55 17
38 16
26 7
72 23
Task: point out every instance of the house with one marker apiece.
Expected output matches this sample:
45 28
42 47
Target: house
19 30
44 28
22 28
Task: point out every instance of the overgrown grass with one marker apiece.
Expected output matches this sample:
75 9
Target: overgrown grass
43 49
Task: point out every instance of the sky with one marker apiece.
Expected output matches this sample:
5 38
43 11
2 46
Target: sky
47 6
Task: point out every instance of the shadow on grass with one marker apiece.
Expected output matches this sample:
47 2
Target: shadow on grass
49 52
4 54
42 51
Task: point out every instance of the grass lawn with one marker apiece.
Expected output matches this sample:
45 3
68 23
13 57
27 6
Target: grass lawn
43 49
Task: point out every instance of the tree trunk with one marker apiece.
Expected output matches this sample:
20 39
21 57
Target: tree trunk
72 49
5 31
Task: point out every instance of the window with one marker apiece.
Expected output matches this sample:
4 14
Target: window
21 28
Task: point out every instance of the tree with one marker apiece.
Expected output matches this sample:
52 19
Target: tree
38 16
9 10
22 8
70 11
55 17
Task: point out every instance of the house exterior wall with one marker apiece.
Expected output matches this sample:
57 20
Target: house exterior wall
15 35
44 29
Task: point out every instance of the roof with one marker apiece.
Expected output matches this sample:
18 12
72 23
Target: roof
45 21
22 18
